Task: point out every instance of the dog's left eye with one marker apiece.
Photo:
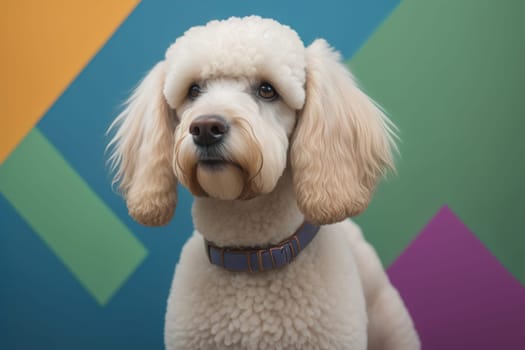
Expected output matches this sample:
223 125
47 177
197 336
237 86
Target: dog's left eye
194 91
266 91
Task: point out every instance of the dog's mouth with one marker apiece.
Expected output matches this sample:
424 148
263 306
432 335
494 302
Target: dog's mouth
212 163
220 178
217 164
217 174
213 159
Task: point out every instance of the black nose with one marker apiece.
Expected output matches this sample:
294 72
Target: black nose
208 129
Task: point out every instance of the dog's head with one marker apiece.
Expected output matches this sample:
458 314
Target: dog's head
231 106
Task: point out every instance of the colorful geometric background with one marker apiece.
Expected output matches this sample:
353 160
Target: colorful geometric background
78 273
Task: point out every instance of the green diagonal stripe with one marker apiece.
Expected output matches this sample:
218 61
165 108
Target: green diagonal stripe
451 74
61 208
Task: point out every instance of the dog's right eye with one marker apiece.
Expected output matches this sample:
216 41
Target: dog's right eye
194 91
266 92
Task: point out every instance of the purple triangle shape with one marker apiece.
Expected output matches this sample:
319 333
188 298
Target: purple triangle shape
458 293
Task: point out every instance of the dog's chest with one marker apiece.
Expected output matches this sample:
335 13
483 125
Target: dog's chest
298 307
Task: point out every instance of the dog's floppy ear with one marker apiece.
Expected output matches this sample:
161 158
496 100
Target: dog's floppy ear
142 149
342 142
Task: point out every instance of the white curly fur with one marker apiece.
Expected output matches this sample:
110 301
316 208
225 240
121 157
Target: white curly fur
316 153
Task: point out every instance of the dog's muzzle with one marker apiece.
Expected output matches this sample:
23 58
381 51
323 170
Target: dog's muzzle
208 130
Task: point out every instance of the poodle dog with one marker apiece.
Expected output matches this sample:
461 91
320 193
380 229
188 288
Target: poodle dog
279 147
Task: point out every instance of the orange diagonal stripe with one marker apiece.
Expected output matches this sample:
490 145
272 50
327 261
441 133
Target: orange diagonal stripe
44 45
